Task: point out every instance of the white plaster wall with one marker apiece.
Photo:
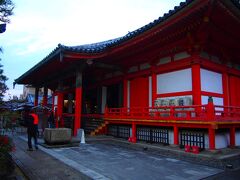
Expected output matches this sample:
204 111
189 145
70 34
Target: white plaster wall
171 137
176 81
206 140
55 100
104 98
211 81
221 140
150 91
237 138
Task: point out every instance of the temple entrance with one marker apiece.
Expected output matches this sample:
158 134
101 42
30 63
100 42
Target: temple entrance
69 103
115 95
90 98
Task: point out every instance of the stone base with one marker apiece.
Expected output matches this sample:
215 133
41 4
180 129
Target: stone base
57 135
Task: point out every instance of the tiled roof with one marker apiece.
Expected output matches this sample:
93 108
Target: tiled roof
102 46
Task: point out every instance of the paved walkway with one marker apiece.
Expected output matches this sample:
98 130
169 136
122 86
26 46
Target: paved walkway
103 160
38 165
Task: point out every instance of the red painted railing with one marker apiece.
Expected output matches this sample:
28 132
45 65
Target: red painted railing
227 113
207 112
84 115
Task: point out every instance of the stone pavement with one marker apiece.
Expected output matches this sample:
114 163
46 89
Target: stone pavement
37 165
99 159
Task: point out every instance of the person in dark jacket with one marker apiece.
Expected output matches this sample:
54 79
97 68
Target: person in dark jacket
31 130
51 120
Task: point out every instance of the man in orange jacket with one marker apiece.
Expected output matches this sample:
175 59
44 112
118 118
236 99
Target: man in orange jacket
32 129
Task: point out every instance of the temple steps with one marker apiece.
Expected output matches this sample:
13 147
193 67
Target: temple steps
91 124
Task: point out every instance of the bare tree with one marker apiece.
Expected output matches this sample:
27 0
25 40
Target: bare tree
6 10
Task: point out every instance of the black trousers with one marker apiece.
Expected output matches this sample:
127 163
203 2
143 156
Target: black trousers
34 136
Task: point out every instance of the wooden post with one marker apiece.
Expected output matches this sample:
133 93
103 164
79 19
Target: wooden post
232 137
78 102
125 93
225 85
225 82
53 101
45 96
210 111
211 137
196 84
36 96
134 133
176 135
59 109
154 87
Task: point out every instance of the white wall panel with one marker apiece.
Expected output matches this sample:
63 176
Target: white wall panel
211 81
176 81
237 138
55 100
221 140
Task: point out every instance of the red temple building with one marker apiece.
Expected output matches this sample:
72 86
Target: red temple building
175 80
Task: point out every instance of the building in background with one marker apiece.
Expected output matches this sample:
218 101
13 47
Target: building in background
29 94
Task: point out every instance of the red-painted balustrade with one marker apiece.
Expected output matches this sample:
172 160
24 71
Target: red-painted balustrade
207 112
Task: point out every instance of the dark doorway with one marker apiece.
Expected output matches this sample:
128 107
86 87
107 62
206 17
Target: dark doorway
114 95
90 101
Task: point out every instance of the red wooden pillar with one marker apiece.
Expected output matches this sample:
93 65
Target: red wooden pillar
59 108
36 96
176 135
211 136
134 133
45 96
78 103
232 137
125 93
196 84
225 83
210 111
154 87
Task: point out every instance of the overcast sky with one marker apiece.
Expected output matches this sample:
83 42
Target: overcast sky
38 26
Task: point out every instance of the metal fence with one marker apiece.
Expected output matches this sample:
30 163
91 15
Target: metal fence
119 131
153 135
193 138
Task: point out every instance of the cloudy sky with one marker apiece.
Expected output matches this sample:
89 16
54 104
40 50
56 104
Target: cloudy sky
38 26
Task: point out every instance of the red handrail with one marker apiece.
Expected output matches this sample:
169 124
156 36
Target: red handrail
209 112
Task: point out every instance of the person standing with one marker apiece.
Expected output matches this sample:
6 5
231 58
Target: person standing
51 120
31 122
